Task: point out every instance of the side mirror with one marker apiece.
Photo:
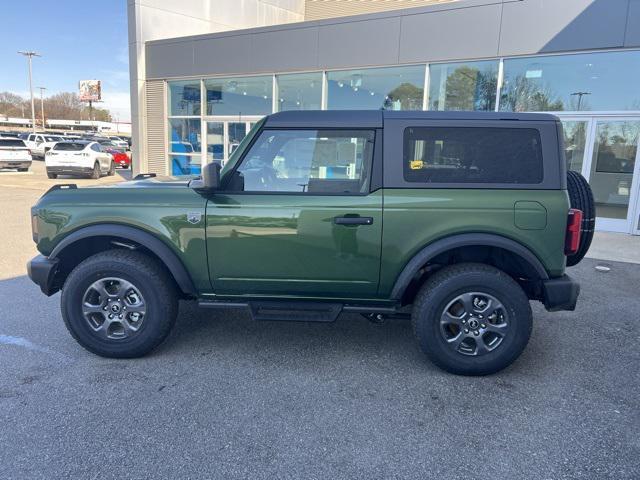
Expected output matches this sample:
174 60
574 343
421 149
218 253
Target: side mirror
210 180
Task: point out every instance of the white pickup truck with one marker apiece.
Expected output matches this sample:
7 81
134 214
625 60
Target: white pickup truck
14 154
41 143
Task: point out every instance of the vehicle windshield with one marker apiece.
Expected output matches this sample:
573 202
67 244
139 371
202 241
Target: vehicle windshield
8 142
69 146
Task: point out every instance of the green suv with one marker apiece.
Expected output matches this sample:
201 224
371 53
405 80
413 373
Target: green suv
455 219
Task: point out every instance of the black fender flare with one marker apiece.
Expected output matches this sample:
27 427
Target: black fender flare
141 237
463 240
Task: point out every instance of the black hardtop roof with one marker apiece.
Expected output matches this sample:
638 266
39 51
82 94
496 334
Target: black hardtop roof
375 118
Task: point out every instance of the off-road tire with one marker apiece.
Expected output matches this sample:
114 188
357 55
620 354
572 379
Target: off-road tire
444 286
52 175
581 197
112 170
155 285
96 171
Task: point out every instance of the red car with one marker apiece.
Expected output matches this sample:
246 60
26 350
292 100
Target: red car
120 158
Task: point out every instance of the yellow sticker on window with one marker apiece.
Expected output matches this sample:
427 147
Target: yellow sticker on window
416 164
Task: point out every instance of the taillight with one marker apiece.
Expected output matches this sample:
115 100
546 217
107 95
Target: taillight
572 238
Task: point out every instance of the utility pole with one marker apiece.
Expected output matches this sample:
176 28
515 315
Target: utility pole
29 56
42 89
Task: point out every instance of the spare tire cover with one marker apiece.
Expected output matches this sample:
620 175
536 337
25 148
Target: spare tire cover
581 197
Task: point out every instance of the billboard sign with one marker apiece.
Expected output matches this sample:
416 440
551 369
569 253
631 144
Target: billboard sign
90 91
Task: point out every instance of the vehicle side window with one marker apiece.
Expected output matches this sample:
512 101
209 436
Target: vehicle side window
96 148
307 161
472 155
31 138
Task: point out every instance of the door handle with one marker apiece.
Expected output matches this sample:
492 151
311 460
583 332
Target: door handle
346 220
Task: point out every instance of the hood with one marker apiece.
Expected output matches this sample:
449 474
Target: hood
154 182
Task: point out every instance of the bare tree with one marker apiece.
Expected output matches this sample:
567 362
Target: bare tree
61 106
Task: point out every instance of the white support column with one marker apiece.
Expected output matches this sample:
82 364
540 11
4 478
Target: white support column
323 101
204 159
425 96
275 101
499 83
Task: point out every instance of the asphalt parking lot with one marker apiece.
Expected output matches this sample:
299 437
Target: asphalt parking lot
226 397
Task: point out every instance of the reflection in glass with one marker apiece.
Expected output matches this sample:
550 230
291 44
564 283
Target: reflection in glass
614 157
395 88
463 86
593 81
184 97
237 131
239 95
309 161
300 91
184 135
185 165
575 142
215 141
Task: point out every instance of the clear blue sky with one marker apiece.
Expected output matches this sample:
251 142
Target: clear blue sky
78 39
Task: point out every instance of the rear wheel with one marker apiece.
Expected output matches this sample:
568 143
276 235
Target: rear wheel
119 304
96 171
581 197
112 169
472 319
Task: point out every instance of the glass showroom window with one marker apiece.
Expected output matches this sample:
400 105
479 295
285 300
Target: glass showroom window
184 107
606 81
184 98
185 146
299 91
393 88
239 96
463 86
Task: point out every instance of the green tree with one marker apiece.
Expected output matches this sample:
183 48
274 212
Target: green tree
409 96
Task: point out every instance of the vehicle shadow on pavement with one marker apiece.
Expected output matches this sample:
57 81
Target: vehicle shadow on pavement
561 343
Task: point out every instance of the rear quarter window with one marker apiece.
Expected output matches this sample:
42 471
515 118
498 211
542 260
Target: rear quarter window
491 155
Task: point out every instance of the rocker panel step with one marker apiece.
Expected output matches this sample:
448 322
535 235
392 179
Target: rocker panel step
295 311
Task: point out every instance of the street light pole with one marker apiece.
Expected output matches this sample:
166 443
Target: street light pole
29 56
42 89
580 95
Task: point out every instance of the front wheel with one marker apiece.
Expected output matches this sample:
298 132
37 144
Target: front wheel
52 175
119 304
472 319
112 169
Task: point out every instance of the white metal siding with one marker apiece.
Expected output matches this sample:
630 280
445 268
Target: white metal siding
319 9
156 134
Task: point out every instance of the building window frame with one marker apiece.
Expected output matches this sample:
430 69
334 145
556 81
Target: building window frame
204 118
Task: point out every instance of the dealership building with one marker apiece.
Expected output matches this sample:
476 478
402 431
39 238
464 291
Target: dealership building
204 71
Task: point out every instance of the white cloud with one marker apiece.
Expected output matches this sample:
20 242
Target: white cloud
118 103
